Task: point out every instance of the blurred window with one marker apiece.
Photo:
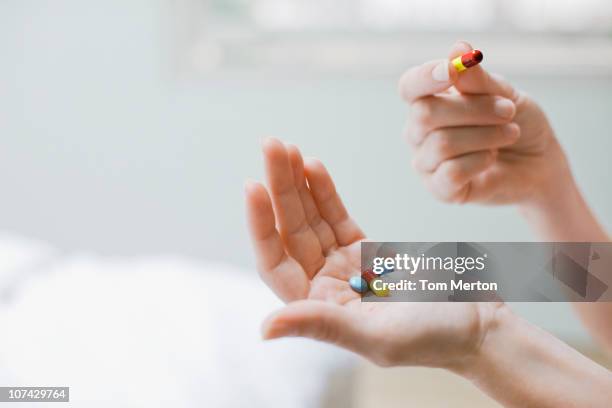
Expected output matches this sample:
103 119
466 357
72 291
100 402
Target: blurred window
381 37
419 15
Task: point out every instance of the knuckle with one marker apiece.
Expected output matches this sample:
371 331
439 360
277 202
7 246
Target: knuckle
422 111
452 174
439 193
442 144
417 135
470 105
421 167
445 198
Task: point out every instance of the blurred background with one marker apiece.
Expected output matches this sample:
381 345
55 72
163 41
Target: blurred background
128 127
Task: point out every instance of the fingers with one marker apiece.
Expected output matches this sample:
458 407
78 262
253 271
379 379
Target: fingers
286 278
318 320
330 205
300 240
439 111
450 182
269 248
447 143
427 79
321 228
477 80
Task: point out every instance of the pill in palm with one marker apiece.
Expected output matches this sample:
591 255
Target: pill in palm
374 282
358 284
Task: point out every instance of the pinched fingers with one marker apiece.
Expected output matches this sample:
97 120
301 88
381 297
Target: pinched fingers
451 181
451 110
447 143
427 79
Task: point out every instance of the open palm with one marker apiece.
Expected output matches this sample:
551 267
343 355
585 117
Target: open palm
307 248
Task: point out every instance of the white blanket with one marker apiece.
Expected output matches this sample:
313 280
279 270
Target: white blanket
154 332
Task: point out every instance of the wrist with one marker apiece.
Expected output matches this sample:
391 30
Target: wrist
494 318
558 212
519 364
556 189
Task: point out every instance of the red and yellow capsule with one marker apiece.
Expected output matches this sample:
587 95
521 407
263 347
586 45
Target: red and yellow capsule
371 278
467 60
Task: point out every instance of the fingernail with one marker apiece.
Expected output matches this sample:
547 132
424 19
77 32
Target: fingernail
504 108
511 130
440 72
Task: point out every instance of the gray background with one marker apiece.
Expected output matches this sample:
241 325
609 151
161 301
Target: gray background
104 148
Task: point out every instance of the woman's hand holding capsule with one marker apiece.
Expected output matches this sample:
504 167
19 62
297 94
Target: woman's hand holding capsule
476 139
307 247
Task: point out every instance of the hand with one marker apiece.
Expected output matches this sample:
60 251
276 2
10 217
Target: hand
308 260
476 139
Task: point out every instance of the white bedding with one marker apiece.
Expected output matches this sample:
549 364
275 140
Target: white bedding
157 332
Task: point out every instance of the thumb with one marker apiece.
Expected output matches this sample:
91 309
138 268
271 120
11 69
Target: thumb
317 320
428 79
478 80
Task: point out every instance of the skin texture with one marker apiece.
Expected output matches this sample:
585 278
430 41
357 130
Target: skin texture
307 247
309 258
464 156
464 149
466 152
475 139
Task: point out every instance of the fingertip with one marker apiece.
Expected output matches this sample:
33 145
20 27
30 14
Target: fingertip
452 73
254 188
511 130
294 153
250 186
504 108
426 79
279 324
257 199
441 71
277 163
272 145
269 331
313 164
460 48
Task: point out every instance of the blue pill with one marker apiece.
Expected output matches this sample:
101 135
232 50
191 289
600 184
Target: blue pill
387 270
358 284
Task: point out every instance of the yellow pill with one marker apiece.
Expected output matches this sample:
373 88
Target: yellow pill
381 291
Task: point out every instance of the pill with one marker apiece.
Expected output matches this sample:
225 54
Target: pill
358 284
467 60
371 278
387 270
